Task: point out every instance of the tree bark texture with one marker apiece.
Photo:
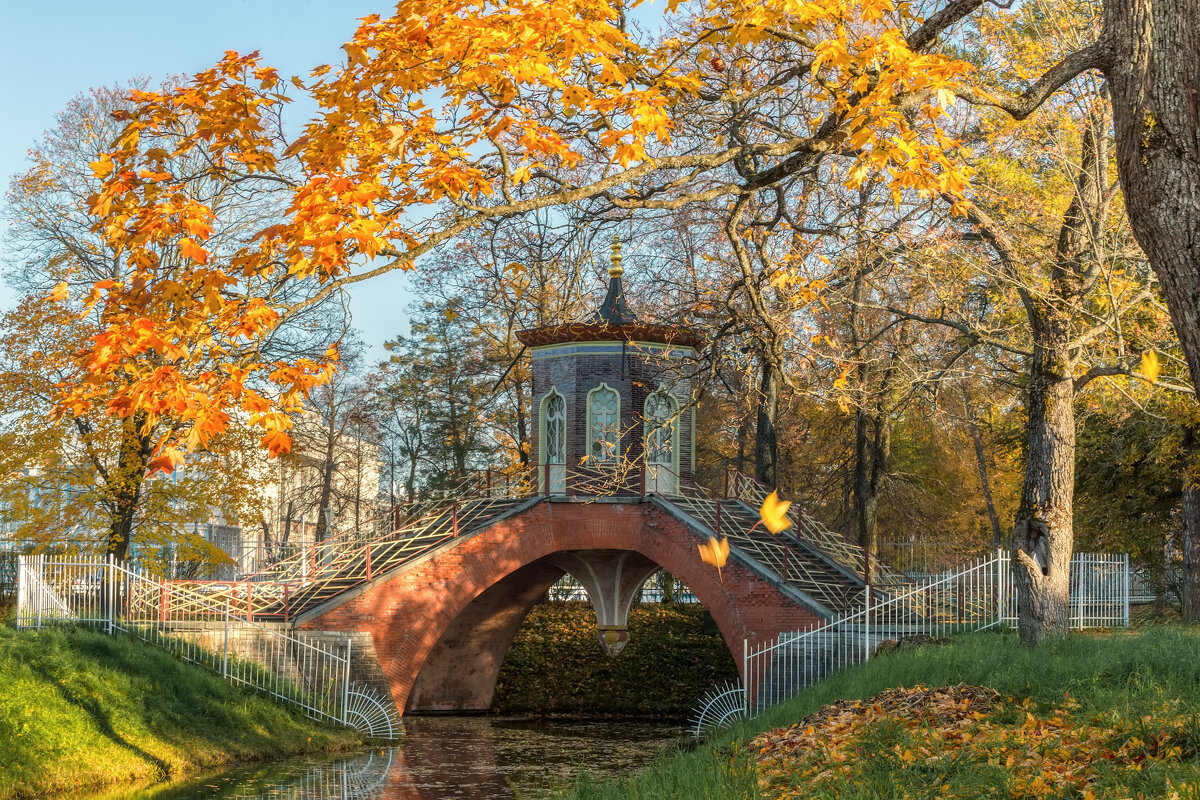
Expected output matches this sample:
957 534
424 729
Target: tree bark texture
1190 534
765 443
1043 536
1154 77
127 484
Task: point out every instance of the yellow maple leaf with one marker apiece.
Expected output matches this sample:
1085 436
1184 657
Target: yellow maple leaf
59 293
1150 365
715 552
774 513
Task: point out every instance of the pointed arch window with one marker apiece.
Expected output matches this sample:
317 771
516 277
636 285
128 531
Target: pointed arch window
604 421
554 440
660 439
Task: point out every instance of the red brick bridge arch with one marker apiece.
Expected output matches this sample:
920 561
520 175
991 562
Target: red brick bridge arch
442 626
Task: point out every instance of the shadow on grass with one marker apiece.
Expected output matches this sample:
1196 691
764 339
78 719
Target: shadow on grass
101 720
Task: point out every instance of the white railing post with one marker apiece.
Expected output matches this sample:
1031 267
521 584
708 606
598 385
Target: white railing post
41 562
746 675
1128 590
867 626
22 591
225 645
346 685
110 575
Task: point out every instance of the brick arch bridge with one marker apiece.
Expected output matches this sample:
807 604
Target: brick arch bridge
441 626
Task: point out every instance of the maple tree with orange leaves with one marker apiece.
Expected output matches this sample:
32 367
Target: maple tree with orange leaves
451 112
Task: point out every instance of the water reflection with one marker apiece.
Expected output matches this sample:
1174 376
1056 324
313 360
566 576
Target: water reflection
449 758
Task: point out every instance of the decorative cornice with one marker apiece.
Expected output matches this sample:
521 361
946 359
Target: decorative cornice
604 332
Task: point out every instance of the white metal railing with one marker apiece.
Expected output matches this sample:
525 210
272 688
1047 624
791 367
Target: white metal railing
305 672
979 596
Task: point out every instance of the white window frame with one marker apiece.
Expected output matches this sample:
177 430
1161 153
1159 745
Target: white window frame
608 458
655 482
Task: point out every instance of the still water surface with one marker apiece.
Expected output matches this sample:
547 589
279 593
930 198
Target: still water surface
447 758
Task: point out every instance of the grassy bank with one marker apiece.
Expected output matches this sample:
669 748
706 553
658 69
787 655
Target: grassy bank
555 664
80 709
1125 705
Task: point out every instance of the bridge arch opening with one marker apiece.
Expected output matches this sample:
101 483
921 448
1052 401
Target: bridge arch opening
460 672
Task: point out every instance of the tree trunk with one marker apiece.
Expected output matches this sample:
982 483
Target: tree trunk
1043 534
130 478
1190 533
765 445
1043 537
1154 78
981 464
326 497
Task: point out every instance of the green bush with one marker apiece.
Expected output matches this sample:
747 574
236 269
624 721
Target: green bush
557 666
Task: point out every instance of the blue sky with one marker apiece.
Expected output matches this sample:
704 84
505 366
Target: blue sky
52 50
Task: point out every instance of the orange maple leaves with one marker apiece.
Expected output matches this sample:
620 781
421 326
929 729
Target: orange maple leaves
445 113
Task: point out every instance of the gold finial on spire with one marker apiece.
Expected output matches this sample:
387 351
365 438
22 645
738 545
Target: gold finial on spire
615 271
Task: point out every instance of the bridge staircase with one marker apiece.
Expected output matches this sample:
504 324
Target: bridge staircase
795 566
310 577
815 566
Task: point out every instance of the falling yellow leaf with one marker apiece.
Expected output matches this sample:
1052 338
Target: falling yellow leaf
715 552
774 513
60 292
1150 367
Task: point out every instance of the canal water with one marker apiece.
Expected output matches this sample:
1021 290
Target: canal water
447 758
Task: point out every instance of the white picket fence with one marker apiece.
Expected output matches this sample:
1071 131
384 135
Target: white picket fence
979 596
304 672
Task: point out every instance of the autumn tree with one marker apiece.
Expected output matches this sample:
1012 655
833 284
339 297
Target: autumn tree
331 473
104 462
508 275
561 94
442 367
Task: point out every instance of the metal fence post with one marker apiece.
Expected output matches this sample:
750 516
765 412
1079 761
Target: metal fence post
22 591
1128 590
41 595
745 670
225 647
346 684
110 575
867 627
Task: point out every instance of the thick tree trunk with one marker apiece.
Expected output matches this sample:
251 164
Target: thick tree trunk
1154 78
126 485
1190 534
1043 535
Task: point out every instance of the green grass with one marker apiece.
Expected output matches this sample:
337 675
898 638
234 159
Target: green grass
1118 681
80 709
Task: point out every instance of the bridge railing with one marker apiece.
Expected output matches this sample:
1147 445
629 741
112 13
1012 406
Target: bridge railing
740 486
304 672
978 596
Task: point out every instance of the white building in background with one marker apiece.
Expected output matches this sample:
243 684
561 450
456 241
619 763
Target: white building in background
294 487
287 514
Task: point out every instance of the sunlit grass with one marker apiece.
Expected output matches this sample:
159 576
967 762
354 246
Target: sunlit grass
1113 681
80 709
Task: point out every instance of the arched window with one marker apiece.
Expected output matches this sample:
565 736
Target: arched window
660 439
604 424
554 441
